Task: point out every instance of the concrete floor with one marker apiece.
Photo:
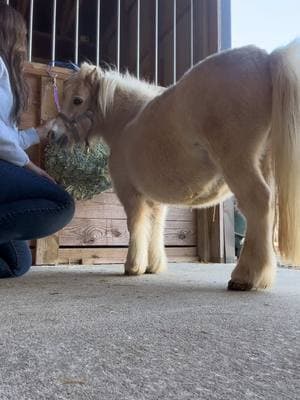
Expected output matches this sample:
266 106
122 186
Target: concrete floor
90 333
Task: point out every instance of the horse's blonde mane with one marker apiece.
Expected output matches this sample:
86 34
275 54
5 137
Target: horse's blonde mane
109 80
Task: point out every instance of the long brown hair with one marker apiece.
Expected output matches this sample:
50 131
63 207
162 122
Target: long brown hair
13 50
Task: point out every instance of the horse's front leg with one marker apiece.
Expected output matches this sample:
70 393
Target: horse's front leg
157 255
139 227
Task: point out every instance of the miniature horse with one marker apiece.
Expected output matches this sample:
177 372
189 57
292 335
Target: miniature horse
229 125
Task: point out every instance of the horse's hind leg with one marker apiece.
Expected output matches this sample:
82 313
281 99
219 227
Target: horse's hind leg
256 265
139 227
157 255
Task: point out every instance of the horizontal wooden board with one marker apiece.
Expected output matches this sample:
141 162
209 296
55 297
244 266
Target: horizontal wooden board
107 205
113 232
90 256
37 69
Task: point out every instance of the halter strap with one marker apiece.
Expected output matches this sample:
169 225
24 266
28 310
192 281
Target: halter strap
71 124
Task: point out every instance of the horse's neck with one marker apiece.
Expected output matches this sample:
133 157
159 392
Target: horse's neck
127 103
127 106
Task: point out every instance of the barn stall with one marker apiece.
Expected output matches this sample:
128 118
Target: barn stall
156 40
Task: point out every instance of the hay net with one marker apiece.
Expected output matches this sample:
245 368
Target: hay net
82 171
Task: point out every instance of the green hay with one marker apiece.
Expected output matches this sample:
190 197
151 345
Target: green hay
82 172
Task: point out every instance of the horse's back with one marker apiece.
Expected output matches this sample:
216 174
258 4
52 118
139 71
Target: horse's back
237 75
228 97
231 67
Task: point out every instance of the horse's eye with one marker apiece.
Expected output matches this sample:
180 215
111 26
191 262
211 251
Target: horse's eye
77 101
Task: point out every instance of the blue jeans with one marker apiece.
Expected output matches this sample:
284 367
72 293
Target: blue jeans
31 207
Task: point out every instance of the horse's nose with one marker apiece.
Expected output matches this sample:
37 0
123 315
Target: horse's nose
62 141
51 136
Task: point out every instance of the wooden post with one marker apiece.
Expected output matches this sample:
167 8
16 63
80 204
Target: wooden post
215 225
210 234
229 239
47 248
209 223
203 235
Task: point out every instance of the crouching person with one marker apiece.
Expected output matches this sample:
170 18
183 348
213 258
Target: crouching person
32 205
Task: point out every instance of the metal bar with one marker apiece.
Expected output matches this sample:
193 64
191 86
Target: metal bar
225 32
30 31
156 42
98 32
119 35
54 31
174 42
138 38
219 13
76 31
192 31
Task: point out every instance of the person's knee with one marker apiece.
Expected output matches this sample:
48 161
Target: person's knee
70 206
67 205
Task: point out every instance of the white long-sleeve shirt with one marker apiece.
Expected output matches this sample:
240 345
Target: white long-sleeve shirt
12 141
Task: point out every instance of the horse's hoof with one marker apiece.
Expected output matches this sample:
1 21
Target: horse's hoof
130 273
150 271
239 286
133 272
157 269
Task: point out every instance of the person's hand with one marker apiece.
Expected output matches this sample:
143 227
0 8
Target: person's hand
30 165
43 130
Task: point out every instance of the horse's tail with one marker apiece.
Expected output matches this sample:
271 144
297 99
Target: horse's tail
285 132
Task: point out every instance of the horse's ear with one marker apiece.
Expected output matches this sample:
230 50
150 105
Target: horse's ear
94 76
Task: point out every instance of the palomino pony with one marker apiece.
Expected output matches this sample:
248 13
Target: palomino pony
229 125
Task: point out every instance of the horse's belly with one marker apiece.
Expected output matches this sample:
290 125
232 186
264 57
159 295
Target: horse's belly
173 169
192 195
191 185
210 194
